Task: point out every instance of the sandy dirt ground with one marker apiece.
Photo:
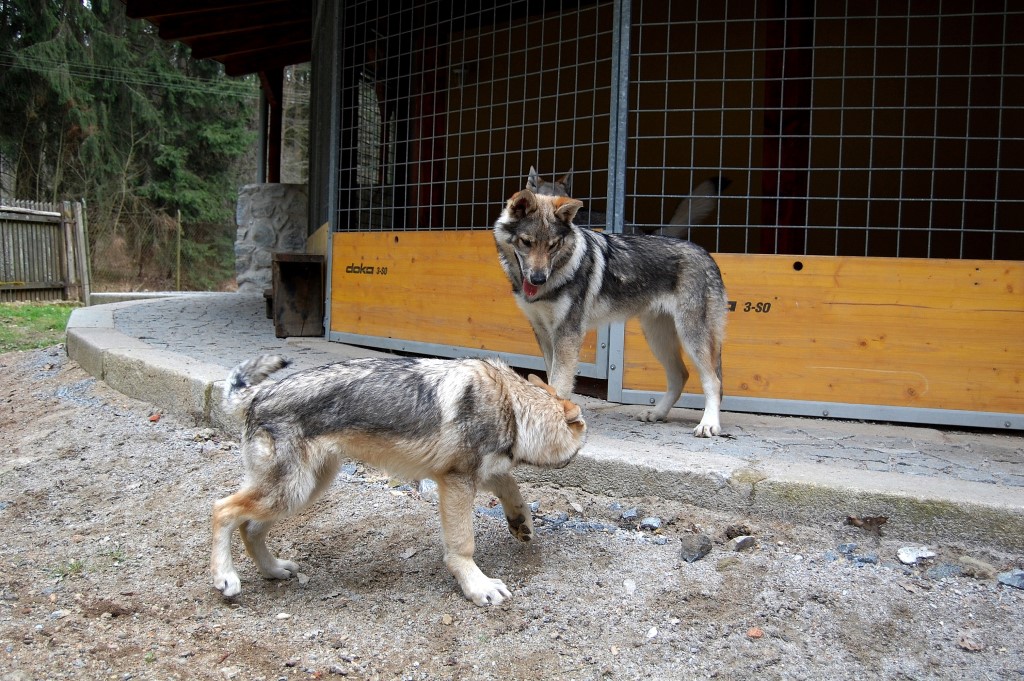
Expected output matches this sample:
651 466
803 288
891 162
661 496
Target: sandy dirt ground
104 542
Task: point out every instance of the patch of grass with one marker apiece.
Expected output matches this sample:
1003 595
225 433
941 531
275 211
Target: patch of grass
26 326
73 568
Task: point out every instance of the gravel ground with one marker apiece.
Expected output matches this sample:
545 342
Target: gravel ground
104 510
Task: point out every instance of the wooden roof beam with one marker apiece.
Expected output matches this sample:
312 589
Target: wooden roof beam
264 60
215 47
156 9
221 22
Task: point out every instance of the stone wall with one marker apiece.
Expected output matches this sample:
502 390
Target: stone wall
271 218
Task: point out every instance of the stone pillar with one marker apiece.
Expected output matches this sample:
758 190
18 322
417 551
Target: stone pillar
271 218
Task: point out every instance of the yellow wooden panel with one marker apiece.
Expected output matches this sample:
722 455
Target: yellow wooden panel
945 334
443 287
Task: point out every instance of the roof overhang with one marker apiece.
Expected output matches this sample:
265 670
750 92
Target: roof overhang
246 36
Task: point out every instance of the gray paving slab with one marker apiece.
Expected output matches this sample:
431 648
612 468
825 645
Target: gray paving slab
933 483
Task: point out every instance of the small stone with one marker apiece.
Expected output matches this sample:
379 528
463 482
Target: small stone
755 633
630 514
943 571
630 586
693 547
909 555
303 579
660 540
866 559
733 531
534 506
650 523
408 553
230 672
283 616
428 490
349 469
1014 578
652 632
847 549
973 567
741 543
576 507
447 619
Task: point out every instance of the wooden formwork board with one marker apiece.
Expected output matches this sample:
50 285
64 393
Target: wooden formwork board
943 334
442 288
938 334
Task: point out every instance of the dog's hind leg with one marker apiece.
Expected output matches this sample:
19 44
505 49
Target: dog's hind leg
661 334
517 513
254 533
704 346
228 514
254 536
456 493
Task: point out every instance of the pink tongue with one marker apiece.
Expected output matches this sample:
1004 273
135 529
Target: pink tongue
529 289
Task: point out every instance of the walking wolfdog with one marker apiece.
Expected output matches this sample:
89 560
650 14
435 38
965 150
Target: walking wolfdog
567 280
462 423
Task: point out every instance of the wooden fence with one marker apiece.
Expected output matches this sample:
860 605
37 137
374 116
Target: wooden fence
43 251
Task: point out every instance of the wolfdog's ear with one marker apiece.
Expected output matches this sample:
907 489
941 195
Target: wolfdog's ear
533 180
565 182
535 380
565 208
522 203
573 413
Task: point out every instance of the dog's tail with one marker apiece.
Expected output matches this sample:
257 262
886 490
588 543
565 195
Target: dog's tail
696 208
244 378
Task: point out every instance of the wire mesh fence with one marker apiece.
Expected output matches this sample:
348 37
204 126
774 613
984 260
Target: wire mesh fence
850 128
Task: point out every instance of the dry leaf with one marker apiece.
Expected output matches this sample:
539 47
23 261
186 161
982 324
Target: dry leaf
967 642
872 524
154 417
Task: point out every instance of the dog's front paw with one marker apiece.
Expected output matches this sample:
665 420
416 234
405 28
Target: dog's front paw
280 569
651 416
707 429
487 591
228 584
521 527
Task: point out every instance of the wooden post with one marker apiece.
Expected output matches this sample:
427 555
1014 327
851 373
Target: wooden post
177 275
83 251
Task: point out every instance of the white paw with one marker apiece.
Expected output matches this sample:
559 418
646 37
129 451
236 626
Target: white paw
707 429
487 592
651 415
228 584
280 569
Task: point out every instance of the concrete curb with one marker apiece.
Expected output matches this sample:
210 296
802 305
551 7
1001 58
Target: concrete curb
935 510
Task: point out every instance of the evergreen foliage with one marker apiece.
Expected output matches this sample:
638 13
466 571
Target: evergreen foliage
96 106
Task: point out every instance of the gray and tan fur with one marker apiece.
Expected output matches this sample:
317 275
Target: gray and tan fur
463 423
568 280
691 210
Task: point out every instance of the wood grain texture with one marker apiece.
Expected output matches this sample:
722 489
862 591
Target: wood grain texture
945 334
443 287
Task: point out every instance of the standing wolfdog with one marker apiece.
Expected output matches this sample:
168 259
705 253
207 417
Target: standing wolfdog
462 423
567 280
